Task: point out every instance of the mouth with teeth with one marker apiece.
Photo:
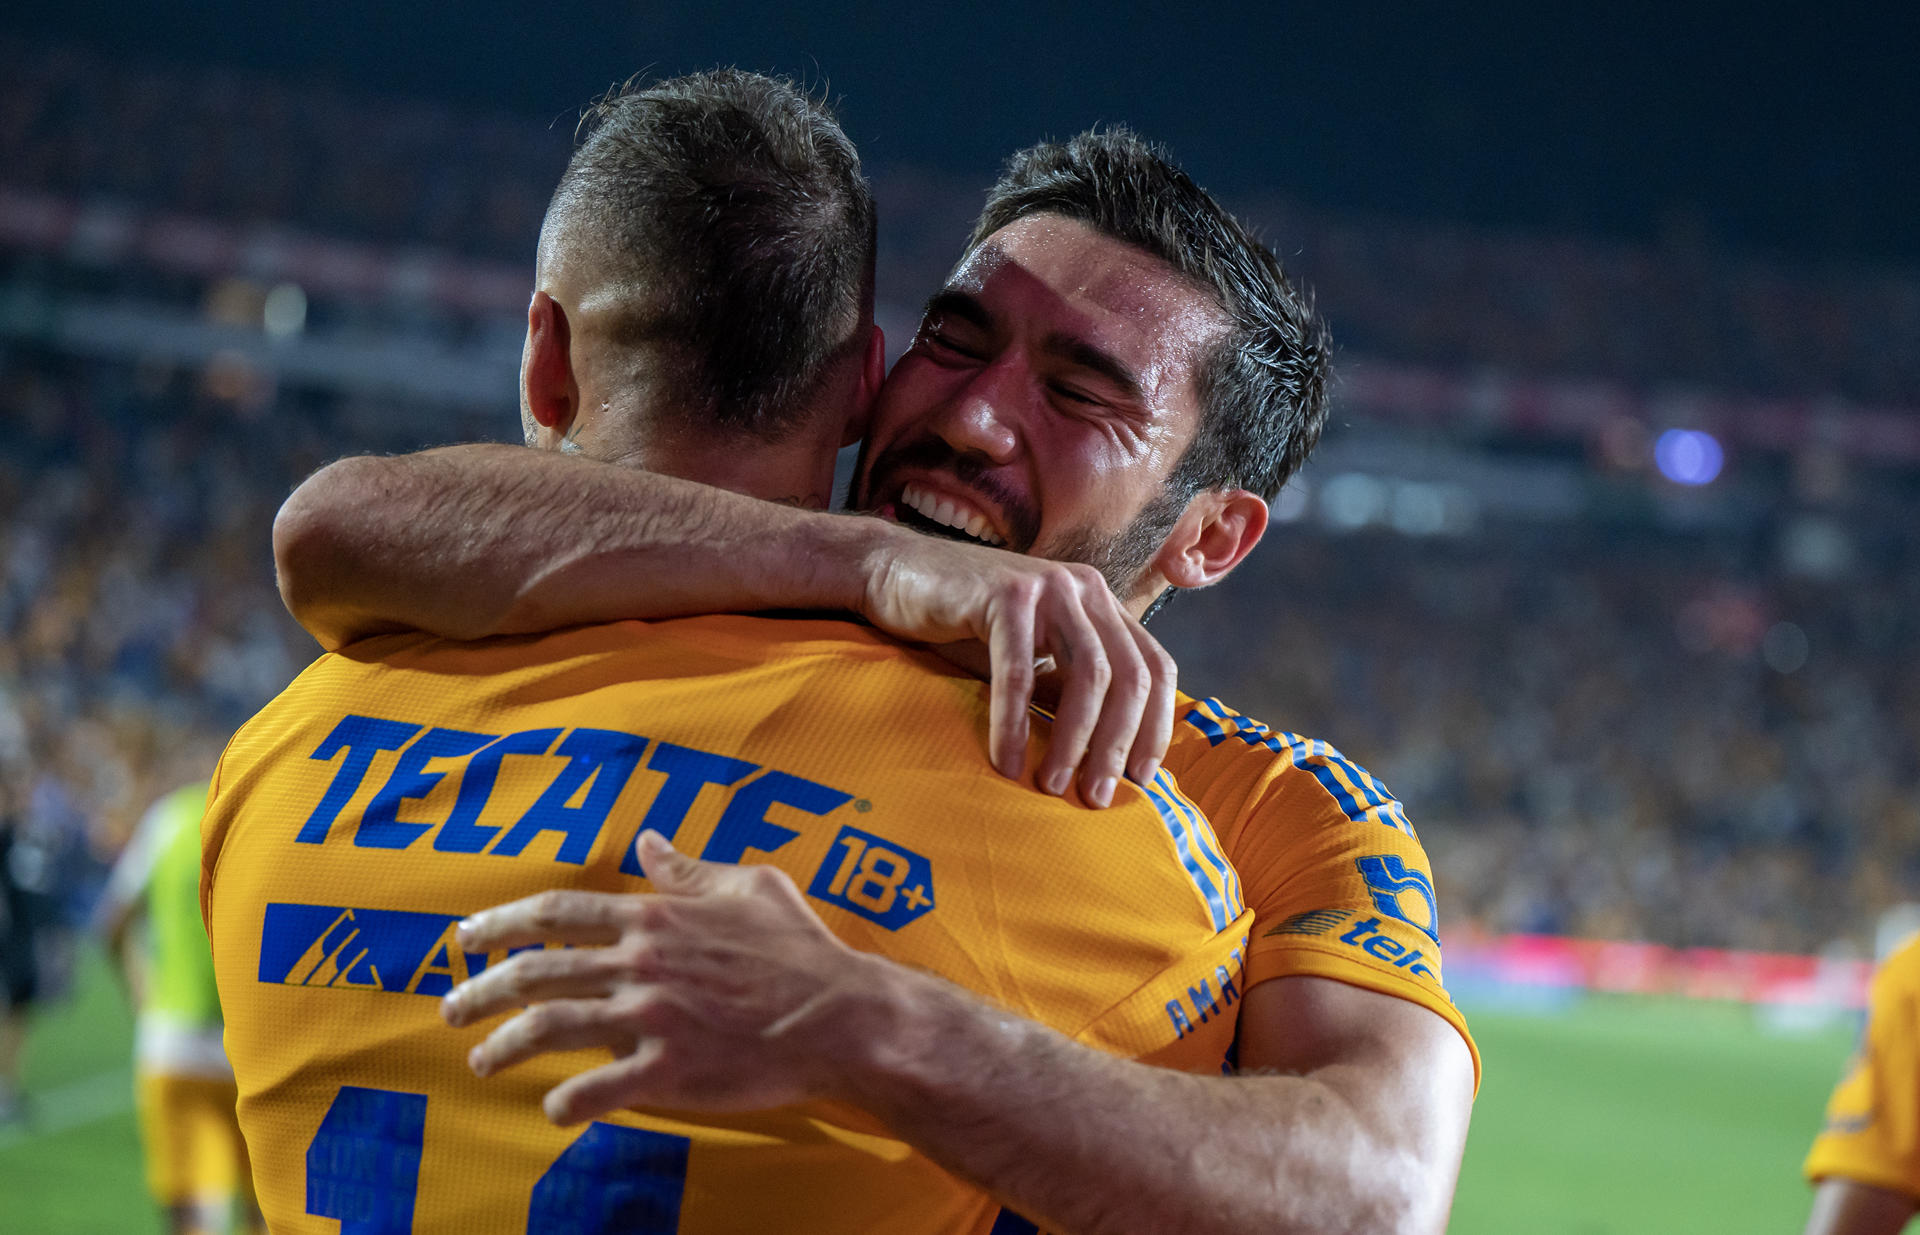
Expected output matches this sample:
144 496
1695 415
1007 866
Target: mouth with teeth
926 511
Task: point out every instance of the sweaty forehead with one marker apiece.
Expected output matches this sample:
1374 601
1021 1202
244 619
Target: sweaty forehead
1051 271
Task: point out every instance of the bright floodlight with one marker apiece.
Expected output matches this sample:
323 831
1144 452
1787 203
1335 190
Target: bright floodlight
1688 456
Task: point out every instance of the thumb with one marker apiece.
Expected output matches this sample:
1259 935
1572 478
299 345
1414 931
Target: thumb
673 871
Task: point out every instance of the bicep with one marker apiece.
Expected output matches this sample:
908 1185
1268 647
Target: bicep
1405 1071
1848 1207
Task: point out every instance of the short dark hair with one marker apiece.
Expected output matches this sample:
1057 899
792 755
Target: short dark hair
1263 387
733 204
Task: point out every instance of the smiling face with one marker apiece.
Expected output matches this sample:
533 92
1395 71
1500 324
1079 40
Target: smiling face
1047 396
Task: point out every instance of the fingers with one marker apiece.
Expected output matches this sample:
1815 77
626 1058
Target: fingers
548 973
1156 719
611 1087
580 918
1071 636
676 873
561 1025
1122 711
1010 646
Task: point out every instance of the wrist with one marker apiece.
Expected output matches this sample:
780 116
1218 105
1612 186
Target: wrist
917 1044
888 1032
850 556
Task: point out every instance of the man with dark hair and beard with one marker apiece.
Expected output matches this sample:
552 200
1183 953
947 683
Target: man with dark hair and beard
1115 375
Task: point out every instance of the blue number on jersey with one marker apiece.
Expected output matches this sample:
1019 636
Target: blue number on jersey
363 1167
612 1180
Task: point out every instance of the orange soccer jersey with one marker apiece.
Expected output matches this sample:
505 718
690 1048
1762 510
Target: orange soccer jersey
407 782
1872 1132
1338 882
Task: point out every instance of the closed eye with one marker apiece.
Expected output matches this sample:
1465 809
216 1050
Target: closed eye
940 341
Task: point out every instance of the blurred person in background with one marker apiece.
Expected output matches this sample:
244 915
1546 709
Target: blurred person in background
149 918
1865 1164
20 914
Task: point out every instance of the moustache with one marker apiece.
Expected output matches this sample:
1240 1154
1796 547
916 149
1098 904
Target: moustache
970 471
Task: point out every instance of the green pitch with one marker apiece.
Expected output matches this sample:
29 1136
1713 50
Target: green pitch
1629 1116
1633 1116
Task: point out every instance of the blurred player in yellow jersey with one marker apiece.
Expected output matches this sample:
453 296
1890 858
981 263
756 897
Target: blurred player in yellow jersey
196 1161
1865 1164
1114 375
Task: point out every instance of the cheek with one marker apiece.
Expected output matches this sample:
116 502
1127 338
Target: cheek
909 392
1086 479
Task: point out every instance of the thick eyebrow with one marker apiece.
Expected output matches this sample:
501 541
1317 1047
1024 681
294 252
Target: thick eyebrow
958 304
1082 354
1072 349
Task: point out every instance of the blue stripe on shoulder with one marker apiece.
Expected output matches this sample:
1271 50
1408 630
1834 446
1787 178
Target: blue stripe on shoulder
1375 803
1183 844
1205 841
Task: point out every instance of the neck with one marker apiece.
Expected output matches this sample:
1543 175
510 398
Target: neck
791 473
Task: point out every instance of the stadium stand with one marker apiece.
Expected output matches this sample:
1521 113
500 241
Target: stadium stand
1617 706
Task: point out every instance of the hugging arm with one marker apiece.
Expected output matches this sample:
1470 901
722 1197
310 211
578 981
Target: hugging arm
478 540
723 990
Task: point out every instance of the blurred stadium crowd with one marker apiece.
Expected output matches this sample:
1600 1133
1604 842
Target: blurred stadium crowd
1696 722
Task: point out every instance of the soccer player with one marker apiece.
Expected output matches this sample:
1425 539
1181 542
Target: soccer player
1114 374
196 1160
407 781
1865 1164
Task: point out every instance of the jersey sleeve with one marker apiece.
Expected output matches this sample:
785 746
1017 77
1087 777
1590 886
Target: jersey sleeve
1872 1129
1338 881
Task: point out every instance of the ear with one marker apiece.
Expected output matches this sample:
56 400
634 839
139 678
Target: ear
547 385
1218 530
873 371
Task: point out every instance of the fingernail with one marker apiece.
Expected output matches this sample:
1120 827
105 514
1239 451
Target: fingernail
1102 792
477 1061
1057 783
450 1009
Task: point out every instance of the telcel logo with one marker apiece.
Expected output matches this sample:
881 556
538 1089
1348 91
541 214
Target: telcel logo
1366 935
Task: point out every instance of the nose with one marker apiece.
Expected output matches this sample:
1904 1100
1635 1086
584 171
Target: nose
984 416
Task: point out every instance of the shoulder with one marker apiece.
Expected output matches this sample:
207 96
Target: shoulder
1898 980
1242 766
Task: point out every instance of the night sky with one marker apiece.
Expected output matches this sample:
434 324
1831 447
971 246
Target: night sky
1788 131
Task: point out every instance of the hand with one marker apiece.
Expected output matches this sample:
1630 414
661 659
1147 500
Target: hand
720 991
1117 683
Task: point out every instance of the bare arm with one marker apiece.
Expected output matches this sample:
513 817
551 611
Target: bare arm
470 541
1359 1125
1847 1207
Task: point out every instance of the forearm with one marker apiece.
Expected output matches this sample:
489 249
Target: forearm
1088 1144
469 541
1848 1207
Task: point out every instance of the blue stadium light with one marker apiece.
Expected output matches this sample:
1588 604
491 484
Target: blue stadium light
1688 456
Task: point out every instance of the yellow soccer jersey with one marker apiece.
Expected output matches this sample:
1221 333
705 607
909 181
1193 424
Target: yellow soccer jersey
1338 882
407 782
1872 1133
